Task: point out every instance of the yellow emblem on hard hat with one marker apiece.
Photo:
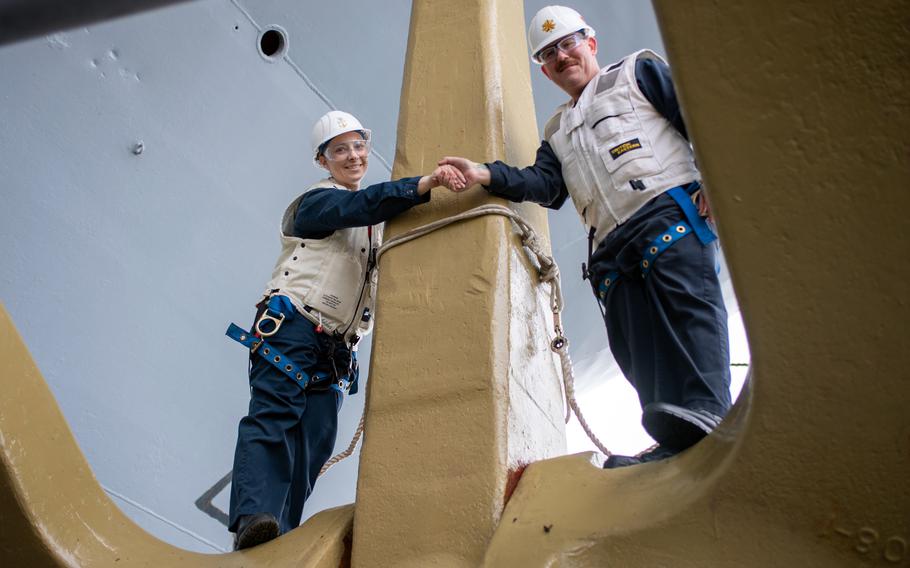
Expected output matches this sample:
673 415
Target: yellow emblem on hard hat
548 26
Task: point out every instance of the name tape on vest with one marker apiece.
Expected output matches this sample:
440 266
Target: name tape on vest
627 146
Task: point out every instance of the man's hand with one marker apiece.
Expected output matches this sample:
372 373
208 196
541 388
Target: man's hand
704 207
473 172
448 176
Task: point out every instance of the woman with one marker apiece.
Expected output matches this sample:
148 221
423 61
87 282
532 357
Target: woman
316 307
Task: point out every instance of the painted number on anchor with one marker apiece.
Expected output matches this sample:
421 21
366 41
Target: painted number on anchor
868 542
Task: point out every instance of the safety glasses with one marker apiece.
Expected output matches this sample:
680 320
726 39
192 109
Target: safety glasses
565 45
344 150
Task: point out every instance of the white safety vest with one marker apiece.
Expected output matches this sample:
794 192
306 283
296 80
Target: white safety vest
617 151
327 279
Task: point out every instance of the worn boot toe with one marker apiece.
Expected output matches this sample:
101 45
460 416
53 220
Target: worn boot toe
253 530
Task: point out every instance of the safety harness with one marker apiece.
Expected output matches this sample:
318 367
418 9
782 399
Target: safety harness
267 324
694 223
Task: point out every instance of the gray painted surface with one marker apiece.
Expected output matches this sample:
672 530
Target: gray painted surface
122 268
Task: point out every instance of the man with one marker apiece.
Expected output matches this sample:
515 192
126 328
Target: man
316 306
620 150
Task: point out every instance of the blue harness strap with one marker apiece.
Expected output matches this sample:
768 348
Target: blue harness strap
277 309
681 195
666 239
604 285
275 357
341 385
694 223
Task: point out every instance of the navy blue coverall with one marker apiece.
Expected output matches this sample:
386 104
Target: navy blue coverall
668 330
289 433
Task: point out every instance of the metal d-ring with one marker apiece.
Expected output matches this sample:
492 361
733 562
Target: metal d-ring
275 321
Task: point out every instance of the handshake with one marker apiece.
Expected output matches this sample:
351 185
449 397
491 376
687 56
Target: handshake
458 174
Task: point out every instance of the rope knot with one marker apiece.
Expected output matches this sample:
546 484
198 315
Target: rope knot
548 271
530 240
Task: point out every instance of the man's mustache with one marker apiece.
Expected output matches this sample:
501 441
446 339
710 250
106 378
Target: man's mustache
566 63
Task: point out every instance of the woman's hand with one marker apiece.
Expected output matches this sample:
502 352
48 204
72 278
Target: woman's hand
448 176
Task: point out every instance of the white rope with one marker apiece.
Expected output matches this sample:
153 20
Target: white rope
350 449
549 273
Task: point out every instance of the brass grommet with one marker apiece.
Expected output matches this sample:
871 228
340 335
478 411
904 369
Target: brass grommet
645 263
666 238
680 229
265 351
653 250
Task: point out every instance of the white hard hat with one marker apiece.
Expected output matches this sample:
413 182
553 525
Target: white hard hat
552 23
330 125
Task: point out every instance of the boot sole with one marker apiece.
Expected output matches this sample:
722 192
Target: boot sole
257 533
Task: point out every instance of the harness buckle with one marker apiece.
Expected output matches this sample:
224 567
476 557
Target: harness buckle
275 321
256 346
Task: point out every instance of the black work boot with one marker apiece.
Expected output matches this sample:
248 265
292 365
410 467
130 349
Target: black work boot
255 529
658 453
677 427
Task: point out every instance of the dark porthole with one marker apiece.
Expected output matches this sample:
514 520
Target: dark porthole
273 43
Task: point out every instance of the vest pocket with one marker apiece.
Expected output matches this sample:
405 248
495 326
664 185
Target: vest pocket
629 159
610 118
339 299
620 141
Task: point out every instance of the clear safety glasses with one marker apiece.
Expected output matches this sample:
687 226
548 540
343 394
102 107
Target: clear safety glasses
565 45
344 150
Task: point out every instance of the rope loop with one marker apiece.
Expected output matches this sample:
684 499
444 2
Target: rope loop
548 273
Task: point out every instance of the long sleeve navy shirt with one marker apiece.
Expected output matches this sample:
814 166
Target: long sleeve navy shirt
323 211
542 181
